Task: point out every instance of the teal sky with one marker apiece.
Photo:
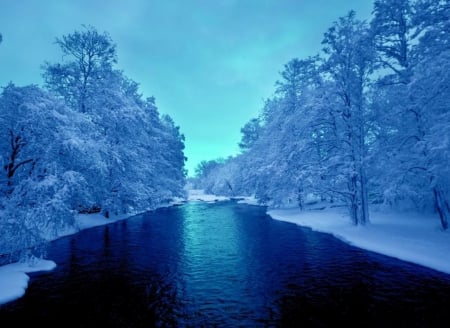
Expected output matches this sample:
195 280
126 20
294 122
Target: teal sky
209 63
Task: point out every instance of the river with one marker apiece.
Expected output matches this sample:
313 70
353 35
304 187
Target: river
224 265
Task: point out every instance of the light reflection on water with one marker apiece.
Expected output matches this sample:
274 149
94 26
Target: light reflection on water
224 265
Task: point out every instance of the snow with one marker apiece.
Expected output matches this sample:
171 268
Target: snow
407 236
85 221
411 237
198 195
14 278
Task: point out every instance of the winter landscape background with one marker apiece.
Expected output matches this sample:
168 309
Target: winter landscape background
362 126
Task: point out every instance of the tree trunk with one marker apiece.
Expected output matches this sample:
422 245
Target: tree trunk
362 171
300 201
354 215
364 197
441 206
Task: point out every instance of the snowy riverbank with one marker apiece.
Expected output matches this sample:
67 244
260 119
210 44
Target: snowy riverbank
14 278
407 236
411 237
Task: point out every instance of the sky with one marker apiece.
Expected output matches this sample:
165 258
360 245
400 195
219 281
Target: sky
407 236
210 64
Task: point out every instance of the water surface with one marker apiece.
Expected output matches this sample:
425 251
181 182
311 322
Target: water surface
224 265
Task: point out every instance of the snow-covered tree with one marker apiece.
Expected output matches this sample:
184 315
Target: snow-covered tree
140 154
414 144
87 55
409 148
432 20
349 63
369 126
90 143
39 189
394 33
250 133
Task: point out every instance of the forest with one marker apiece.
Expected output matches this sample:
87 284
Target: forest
85 142
363 123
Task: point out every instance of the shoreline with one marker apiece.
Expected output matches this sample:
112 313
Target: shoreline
407 236
13 276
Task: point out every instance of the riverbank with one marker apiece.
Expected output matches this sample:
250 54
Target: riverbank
408 236
412 237
13 277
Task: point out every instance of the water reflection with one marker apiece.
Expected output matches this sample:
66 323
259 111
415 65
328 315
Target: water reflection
210 263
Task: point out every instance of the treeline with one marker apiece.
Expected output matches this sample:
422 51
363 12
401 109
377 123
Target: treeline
366 121
86 142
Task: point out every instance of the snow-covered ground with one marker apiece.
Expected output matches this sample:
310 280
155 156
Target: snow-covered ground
407 236
411 237
195 195
200 195
14 278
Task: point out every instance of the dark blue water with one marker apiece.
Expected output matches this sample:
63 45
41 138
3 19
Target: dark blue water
224 265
